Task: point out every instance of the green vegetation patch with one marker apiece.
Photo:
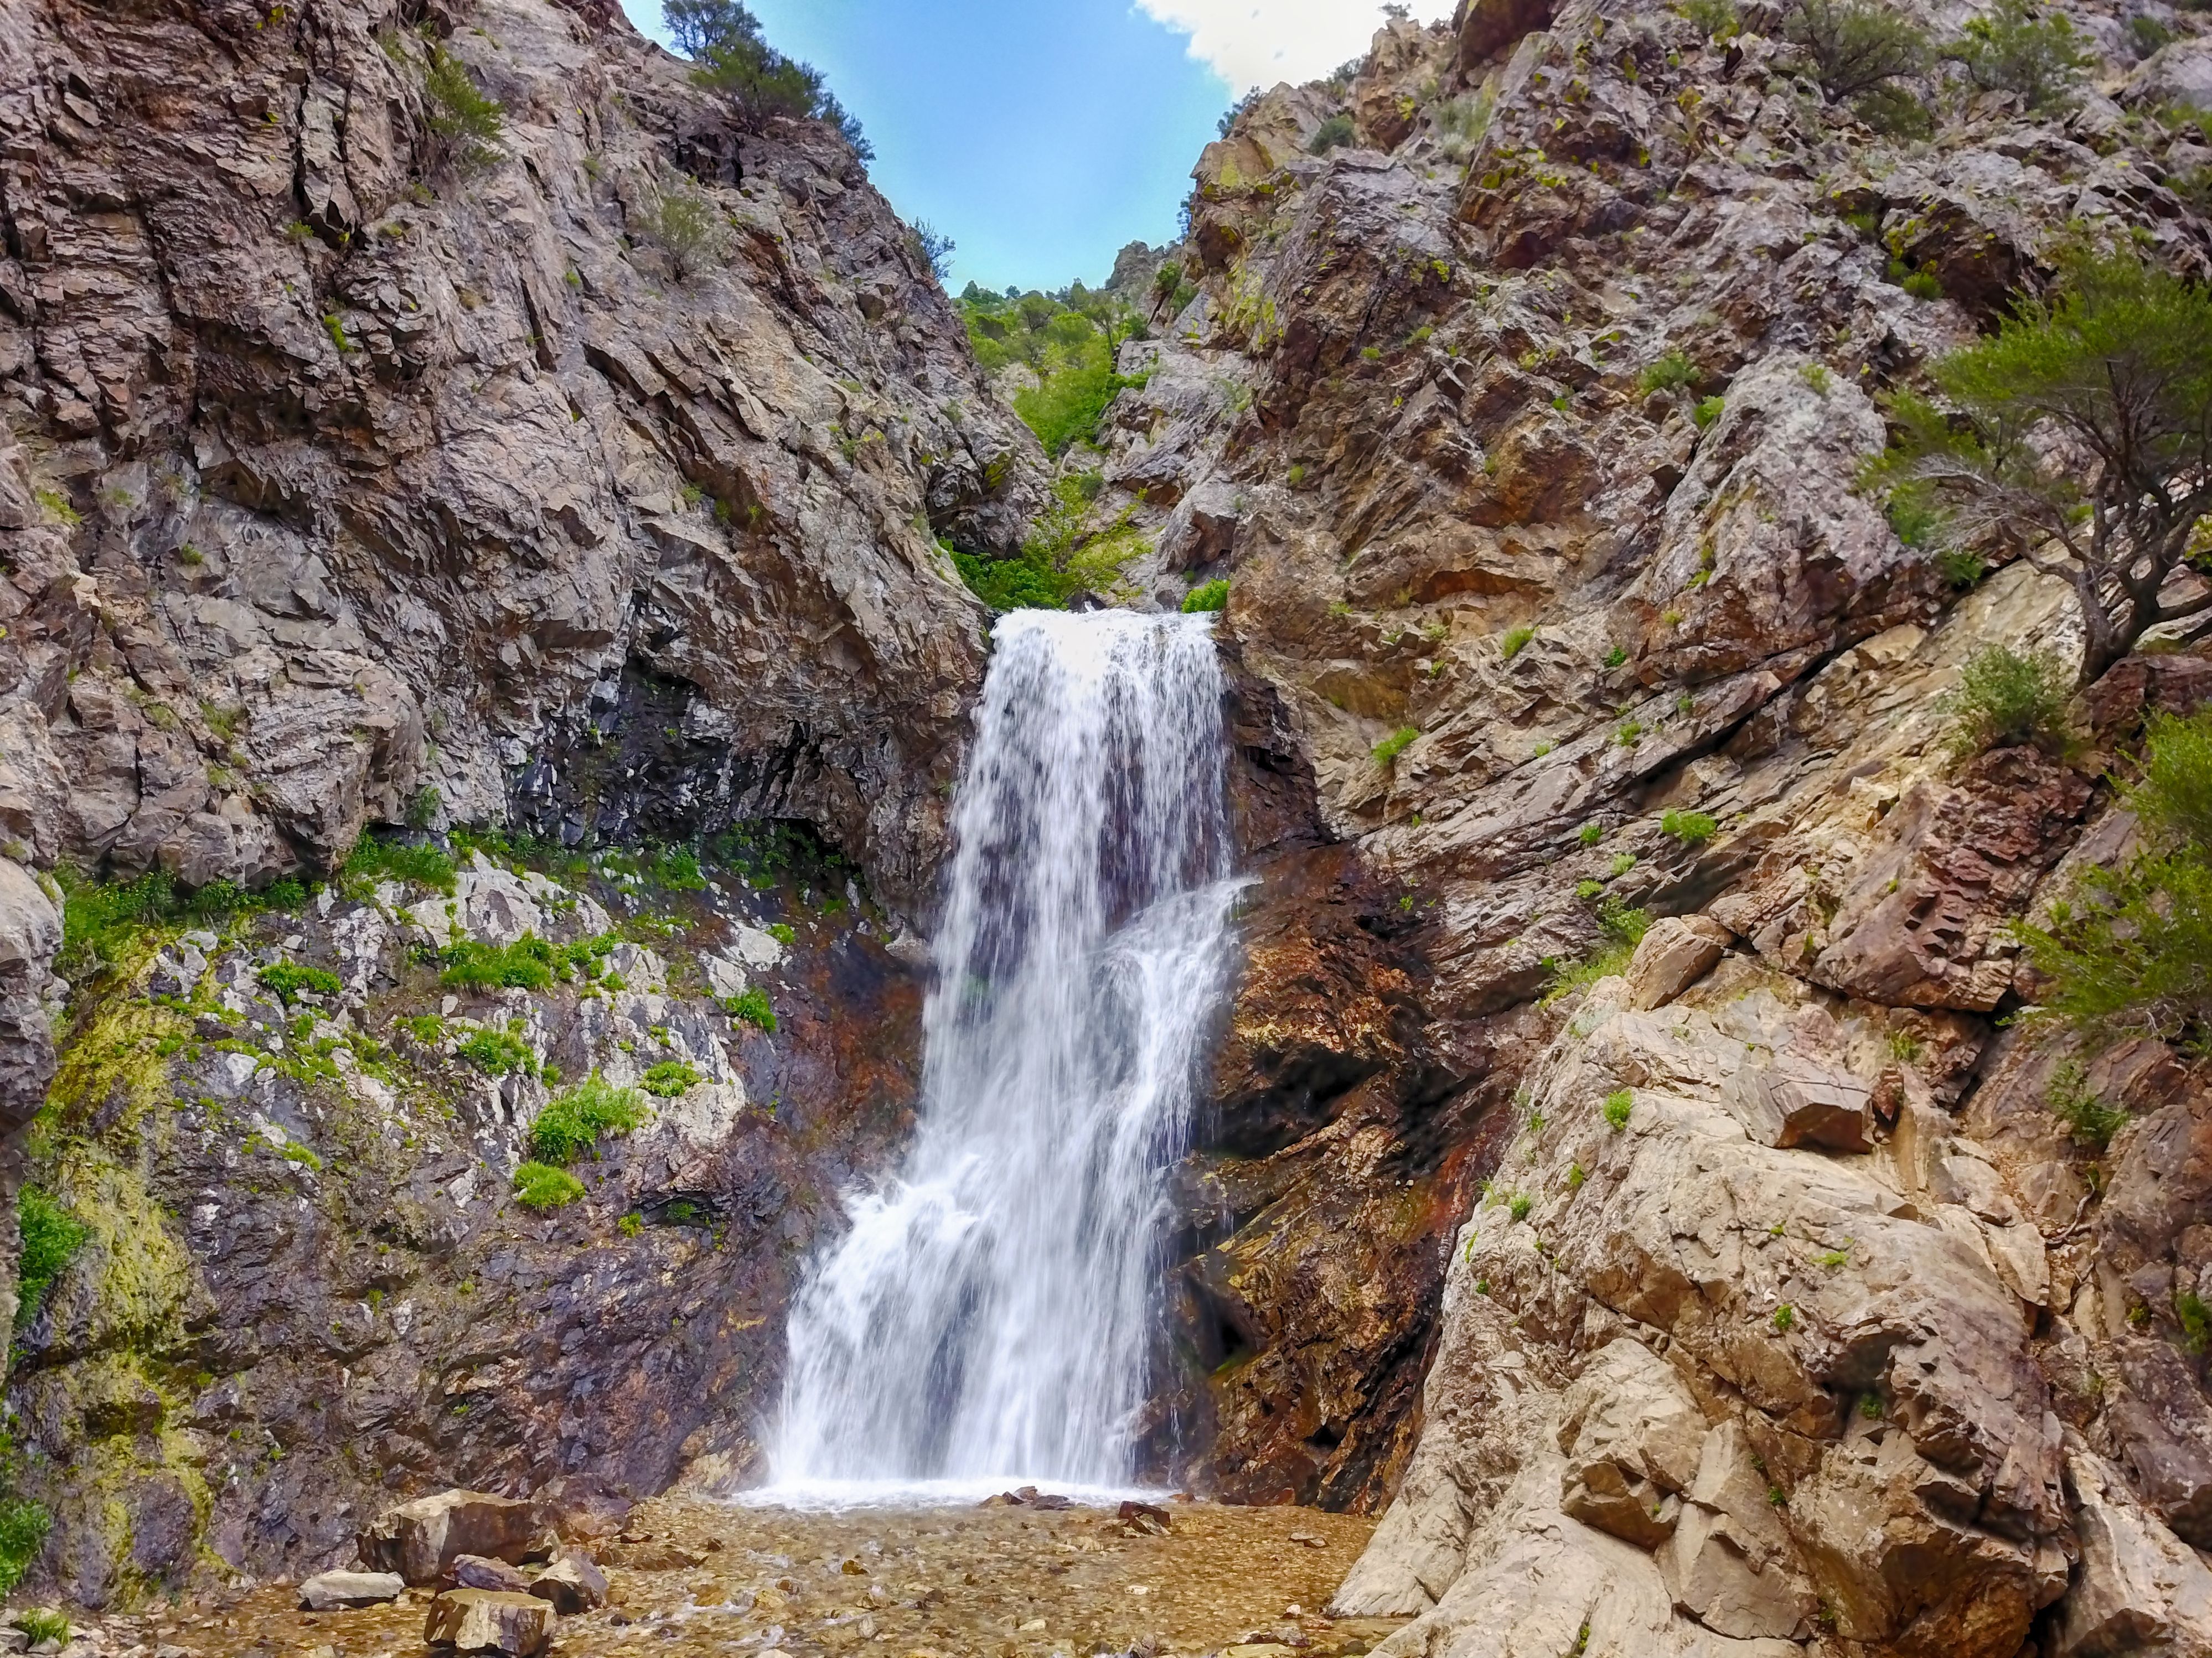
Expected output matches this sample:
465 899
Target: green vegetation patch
573 1122
1067 552
1692 828
671 1079
752 1007
1619 931
289 980
541 1186
372 860
498 1053
52 1237
2007 697
1207 596
1068 340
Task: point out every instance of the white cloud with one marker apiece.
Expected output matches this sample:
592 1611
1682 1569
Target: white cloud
1259 42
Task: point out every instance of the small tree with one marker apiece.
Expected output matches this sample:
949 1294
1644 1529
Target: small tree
1856 46
2083 430
679 219
733 58
934 248
2013 49
465 123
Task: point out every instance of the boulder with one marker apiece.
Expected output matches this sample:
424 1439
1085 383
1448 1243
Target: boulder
1632 1434
490 1620
338 1591
1801 1101
420 1540
580 1508
474 1571
1677 952
573 1584
2140 1588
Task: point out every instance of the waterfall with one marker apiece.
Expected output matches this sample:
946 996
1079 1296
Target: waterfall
990 1313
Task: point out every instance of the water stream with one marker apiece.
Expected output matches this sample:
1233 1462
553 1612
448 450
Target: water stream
990 1315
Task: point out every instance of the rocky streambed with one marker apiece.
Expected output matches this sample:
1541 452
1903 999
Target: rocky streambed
692 1576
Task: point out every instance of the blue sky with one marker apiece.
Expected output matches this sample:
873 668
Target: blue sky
1042 135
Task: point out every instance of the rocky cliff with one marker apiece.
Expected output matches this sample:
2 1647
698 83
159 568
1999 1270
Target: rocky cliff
371 460
1735 1296
1527 429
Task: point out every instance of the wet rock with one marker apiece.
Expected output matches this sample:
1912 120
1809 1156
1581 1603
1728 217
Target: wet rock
573 1583
488 1620
420 1540
334 1591
474 1571
1674 955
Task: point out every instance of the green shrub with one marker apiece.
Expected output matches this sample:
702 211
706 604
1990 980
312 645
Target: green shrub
1520 1206
540 1186
1619 931
2005 698
1672 373
1707 411
372 860
1208 596
1913 514
529 963
678 218
2146 34
1692 828
1718 19
23 1527
289 979
1622 863
670 1079
1617 655
1590 833
1923 285
1856 46
464 124
1786 1319
2196 1321
1334 132
1960 569
782 931
1617 1106
1895 112
752 1007
1387 751
1064 554
1510 645
2071 1100
573 1122
497 1053
732 58
51 1236
2019 49
2128 950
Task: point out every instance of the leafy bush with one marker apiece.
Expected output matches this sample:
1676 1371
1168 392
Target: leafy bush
23 1527
2088 1118
1718 19
751 1007
1619 931
1334 132
2007 697
1462 122
1591 834
1692 828
2146 34
528 963
782 931
372 860
1923 285
464 124
1672 373
51 1236
2040 58
1960 569
1509 645
1895 112
573 1122
289 979
1520 1206
1707 411
1208 596
1618 1107
1387 751
683 223
1064 554
540 1186
2128 950
497 1053
670 1079
1856 46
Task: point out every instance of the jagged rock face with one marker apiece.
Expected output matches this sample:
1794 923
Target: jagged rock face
309 1288
395 476
1836 1341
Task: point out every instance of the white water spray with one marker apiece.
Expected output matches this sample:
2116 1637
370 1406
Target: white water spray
990 1313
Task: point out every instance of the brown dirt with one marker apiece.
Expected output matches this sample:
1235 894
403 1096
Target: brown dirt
970 1582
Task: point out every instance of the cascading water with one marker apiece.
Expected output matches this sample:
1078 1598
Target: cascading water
990 1313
